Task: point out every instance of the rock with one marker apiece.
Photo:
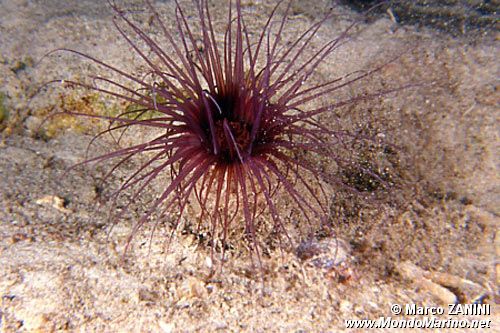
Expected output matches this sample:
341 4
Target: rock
412 272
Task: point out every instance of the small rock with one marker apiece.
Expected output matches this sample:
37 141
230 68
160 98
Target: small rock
55 201
208 262
359 310
345 306
192 288
412 272
220 325
166 327
372 305
326 253
147 295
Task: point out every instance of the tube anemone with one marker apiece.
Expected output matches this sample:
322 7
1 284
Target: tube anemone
236 129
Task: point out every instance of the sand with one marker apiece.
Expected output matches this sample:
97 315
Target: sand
429 241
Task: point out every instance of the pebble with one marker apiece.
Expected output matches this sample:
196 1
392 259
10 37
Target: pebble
412 272
345 306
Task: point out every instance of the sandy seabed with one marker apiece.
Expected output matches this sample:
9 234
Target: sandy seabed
432 242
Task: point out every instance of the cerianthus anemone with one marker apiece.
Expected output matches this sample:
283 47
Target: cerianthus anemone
234 120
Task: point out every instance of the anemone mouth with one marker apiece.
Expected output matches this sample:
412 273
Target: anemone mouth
231 129
233 138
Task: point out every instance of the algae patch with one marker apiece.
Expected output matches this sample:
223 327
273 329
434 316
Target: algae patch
83 114
61 117
3 109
